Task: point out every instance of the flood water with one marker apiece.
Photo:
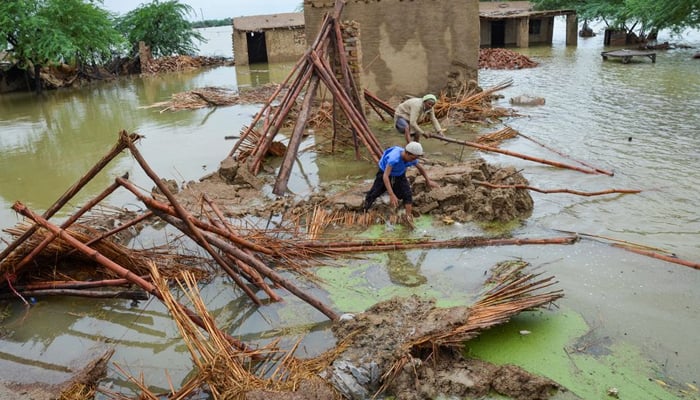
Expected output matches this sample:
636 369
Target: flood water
639 120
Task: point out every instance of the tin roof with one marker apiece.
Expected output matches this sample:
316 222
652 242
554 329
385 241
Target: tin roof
258 23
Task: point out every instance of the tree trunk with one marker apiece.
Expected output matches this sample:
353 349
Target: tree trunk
37 78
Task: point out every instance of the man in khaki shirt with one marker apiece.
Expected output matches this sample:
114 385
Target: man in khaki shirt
408 113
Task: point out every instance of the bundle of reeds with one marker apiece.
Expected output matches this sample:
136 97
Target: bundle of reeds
495 138
221 369
511 292
471 106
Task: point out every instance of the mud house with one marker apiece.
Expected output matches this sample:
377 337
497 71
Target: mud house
516 23
431 45
268 38
407 47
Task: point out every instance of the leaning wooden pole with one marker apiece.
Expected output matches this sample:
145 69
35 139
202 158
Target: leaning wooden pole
65 225
352 113
261 267
162 211
183 214
513 154
263 145
293 147
122 143
254 275
225 265
265 108
152 203
342 59
114 267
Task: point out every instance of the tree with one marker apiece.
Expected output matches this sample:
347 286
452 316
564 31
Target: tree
642 16
51 32
162 26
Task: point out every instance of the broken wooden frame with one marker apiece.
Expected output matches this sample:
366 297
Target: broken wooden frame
311 69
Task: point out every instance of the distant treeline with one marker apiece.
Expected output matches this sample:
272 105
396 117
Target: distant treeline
211 22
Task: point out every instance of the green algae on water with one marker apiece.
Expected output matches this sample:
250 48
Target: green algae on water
561 347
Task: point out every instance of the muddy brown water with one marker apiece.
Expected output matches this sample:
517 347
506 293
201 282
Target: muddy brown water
638 119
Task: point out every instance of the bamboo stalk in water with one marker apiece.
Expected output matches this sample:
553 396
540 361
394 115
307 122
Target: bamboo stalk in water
512 154
548 191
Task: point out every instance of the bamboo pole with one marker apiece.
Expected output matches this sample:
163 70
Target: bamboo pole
352 109
342 59
260 266
75 284
65 225
186 218
372 99
288 101
512 154
383 245
122 143
548 191
224 263
668 258
112 266
250 271
157 205
93 294
585 164
297 135
363 132
126 225
277 120
266 107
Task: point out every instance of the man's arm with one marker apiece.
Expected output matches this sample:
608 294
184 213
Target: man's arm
428 181
386 177
436 123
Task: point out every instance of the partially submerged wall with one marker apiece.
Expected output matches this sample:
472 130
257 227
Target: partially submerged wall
408 47
285 44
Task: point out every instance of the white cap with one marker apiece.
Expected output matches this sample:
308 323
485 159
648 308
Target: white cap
414 148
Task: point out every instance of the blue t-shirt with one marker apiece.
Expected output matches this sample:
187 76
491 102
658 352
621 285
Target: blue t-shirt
392 156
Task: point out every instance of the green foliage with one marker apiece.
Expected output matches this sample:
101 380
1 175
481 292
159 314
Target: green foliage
163 26
46 32
642 15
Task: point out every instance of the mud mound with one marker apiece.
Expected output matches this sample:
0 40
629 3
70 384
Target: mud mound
377 337
459 197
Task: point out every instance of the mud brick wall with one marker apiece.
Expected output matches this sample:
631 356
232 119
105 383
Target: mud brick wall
409 47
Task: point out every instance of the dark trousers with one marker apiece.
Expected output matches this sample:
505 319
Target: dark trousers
399 184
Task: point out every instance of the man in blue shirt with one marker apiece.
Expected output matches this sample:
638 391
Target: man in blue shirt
391 176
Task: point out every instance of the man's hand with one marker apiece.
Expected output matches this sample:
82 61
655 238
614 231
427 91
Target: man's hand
431 184
394 200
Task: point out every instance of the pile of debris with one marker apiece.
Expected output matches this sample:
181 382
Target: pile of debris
180 63
504 59
212 96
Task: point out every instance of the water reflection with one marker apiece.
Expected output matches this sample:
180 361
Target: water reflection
254 75
403 271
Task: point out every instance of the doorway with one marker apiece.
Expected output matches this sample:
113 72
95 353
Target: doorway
498 33
257 49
